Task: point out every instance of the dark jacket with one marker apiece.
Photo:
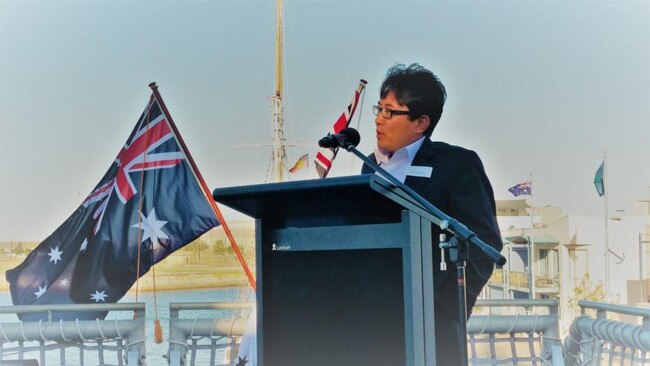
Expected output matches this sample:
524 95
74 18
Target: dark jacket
460 188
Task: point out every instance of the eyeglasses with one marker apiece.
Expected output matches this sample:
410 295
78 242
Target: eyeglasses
387 113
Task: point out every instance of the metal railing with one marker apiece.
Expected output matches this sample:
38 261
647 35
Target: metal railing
501 332
605 340
515 332
218 335
519 280
93 341
494 339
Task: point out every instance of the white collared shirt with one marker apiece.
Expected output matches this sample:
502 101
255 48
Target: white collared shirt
398 165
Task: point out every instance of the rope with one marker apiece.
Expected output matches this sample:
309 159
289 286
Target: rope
157 328
193 327
127 345
487 320
535 326
514 324
214 323
157 333
140 200
232 325
4 335
184 344
76 321
117 329
99 328
155 297
22 331
40 329
61 329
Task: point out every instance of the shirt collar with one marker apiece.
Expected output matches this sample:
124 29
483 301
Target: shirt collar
409 150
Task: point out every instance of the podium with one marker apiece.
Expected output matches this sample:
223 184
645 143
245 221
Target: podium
344 272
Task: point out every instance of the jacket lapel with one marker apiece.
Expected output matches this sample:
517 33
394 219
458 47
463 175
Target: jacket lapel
424 157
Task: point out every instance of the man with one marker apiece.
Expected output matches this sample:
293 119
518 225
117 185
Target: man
450 177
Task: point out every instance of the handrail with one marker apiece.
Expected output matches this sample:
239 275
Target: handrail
518 302
621 309
210 305
219 332
26 309
602 339
125 337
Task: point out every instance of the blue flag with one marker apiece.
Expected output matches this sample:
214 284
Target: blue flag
523 188
599 181
150 199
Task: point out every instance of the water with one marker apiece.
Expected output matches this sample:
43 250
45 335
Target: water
155 352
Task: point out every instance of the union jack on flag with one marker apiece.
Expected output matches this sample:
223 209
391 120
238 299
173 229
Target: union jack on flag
523 188
150 198
325 156
139 154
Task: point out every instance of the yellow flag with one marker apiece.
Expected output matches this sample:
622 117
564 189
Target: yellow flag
303 162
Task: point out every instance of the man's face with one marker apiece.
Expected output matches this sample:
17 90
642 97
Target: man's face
398 131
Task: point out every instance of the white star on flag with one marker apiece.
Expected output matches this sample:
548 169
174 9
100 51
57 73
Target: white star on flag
98 296
55 254
84 245
41 291
64 282
152 227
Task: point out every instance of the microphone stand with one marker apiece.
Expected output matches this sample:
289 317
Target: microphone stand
457 244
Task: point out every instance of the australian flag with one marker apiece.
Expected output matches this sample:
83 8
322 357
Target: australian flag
523 188
150 199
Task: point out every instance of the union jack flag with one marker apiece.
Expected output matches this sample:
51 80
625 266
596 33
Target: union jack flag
151 198
325 156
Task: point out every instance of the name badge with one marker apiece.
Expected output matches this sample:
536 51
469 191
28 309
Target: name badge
420 171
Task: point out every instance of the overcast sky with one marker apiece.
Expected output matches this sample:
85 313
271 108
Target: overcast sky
534 87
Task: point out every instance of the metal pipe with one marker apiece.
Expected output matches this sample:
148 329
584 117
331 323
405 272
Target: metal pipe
210 305
622 309
66 330
222 326
518 302
25 309
511 324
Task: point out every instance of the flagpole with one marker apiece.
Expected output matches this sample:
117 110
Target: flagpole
531 243
606 189
363 97
204 187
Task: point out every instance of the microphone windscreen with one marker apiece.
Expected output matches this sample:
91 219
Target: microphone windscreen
352 136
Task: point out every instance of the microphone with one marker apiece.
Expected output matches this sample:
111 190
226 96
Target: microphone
347 136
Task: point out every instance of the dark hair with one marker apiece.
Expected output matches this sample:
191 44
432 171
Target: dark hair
417 88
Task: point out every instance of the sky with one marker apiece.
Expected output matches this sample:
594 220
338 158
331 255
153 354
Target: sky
541 87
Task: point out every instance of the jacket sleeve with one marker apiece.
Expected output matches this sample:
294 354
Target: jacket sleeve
472 203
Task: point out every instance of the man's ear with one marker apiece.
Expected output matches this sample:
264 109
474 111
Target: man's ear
423 123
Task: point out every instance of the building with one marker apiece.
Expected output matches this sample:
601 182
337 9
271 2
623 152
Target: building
568 252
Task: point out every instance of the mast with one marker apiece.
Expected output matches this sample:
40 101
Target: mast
606 189
531 244
278 159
